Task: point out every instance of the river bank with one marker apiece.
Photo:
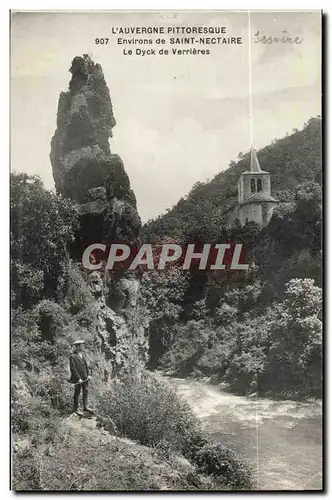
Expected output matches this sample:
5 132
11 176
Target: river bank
281 439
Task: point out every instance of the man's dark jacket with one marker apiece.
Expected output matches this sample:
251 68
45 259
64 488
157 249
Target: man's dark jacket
79 368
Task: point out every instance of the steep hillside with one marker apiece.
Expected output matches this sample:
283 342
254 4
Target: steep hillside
259 330
290 161
84 457
144 436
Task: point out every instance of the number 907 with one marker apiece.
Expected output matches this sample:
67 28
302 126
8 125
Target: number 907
101 41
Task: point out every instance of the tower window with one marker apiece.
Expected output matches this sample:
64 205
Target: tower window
259 185
253 185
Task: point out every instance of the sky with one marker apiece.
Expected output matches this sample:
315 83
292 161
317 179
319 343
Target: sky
180 118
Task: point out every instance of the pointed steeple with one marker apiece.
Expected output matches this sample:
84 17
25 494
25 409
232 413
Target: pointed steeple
254 163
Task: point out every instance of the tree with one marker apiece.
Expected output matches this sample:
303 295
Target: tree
163 292
42 224
294 358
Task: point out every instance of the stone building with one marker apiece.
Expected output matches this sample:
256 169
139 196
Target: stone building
255 202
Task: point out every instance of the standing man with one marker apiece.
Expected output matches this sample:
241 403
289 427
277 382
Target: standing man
80 374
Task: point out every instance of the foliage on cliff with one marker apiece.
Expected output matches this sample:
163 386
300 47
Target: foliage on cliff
224 327
53 449
39 258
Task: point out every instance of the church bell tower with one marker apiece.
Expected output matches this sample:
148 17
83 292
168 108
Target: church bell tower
255 202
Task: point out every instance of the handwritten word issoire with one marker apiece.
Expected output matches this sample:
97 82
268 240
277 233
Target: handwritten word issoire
285 38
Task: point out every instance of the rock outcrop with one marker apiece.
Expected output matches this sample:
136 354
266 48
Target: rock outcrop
84 169
122 325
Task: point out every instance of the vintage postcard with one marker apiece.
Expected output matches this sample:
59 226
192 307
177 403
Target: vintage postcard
166 250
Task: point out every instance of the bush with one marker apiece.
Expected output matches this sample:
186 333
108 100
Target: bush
27 283
78 295
149 412
191 340
26 470
53 388
87 317
51 318
294 358
28 416
246 369
28 349
35 428
42 225
224 465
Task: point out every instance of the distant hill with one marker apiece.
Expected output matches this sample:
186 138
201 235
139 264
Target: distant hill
290 161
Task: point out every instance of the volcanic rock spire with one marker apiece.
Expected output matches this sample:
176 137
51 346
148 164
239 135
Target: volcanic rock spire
84 169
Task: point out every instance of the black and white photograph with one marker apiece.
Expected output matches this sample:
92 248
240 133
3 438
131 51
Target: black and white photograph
166 248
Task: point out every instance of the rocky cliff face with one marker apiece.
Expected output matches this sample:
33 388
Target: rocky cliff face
85 170
122 323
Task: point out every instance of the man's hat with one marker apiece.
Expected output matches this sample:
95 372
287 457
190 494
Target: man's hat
77 342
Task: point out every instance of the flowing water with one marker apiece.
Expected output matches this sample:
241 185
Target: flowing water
281 439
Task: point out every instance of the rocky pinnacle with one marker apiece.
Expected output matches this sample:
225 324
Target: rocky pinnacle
84 169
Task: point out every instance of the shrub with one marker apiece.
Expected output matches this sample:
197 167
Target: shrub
87 317
28 349
54 389
42 225
27 283
78 294
224 465
51 386
51 319
189 345
150 412
246 369
29 415
35 427
32 356
26 470
19 420
294 358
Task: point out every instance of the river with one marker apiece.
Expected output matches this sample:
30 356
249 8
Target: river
281 439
